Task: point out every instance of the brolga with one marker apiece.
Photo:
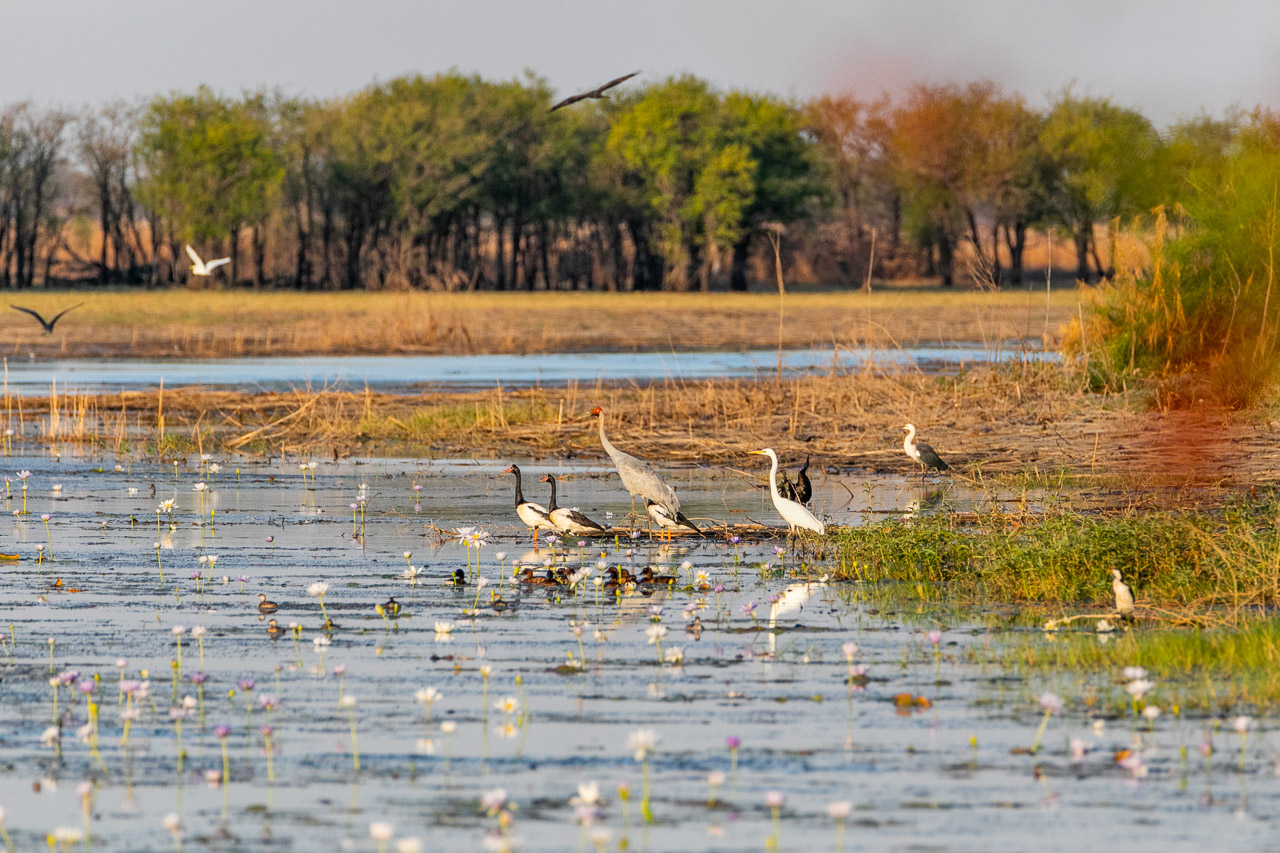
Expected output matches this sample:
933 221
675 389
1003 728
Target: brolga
199 267
665 522
1124 595
535 516
793 512
637 477
567 519
922 453
47 324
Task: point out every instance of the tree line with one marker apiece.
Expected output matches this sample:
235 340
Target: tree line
453 182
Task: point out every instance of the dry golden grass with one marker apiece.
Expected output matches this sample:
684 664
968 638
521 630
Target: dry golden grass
184 323
1011 421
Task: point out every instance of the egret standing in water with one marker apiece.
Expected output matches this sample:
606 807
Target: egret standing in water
535 516
1124 595
637 477
922 453
792 512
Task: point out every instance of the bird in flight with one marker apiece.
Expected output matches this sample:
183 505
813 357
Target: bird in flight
199 267
48 324
597 92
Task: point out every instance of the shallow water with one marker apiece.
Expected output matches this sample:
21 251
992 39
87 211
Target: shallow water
914 779
448 372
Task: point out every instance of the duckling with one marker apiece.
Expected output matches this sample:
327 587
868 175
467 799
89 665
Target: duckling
458 578
274 631
499 605
265 606
648 576
392 607
694 629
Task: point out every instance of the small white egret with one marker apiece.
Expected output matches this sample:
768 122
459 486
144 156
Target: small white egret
569 520
922 453
1123 593
535 516
792 512
637 477
199 267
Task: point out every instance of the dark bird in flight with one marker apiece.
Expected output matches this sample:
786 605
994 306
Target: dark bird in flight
597 92
48 324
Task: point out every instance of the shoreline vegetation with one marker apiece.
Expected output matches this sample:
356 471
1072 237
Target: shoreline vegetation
228 324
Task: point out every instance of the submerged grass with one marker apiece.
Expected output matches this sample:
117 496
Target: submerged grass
1215 669
1220 565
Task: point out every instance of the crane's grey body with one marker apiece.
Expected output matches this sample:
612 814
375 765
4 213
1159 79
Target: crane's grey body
638 478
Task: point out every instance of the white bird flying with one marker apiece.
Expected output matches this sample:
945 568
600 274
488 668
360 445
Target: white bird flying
922 453
199 267
638 477
792 512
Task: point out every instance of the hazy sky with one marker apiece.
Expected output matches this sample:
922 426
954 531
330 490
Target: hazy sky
1170 58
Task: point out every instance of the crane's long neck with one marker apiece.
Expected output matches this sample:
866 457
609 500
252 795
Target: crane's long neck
519 491
604 439
773 479
552 507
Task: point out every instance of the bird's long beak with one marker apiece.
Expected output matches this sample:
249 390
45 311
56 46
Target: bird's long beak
581 417
756 452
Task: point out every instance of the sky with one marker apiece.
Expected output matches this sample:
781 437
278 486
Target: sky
1169 59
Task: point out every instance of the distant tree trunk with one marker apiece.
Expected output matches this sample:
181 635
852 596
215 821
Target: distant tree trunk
996 269
946 259
104 219
1015 239
301 265
259 256
326 247
1082 235
233 251
741 255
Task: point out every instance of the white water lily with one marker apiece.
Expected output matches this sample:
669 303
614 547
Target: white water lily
641 742
317 589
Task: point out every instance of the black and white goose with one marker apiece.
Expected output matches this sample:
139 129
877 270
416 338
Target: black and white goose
568 520
535 516
662 517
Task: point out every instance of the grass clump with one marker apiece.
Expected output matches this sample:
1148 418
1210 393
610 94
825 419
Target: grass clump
1224 563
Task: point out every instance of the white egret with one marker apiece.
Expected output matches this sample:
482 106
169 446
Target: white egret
199 267
791 511
637 477
568 519
922 453
535 516
1123 593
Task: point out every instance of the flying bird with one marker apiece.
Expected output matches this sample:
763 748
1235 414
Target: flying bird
921 452
48 324
596 93
199 267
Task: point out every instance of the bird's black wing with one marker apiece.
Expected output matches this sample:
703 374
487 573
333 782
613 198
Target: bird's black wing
58 316
572 99
804 488
624 78
930 457
685 522
578 518
32 313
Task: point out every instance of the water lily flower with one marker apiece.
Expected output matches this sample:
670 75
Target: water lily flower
493 801
381 832
1134 673
655 633
839 809
1138 688
641 742
317 589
